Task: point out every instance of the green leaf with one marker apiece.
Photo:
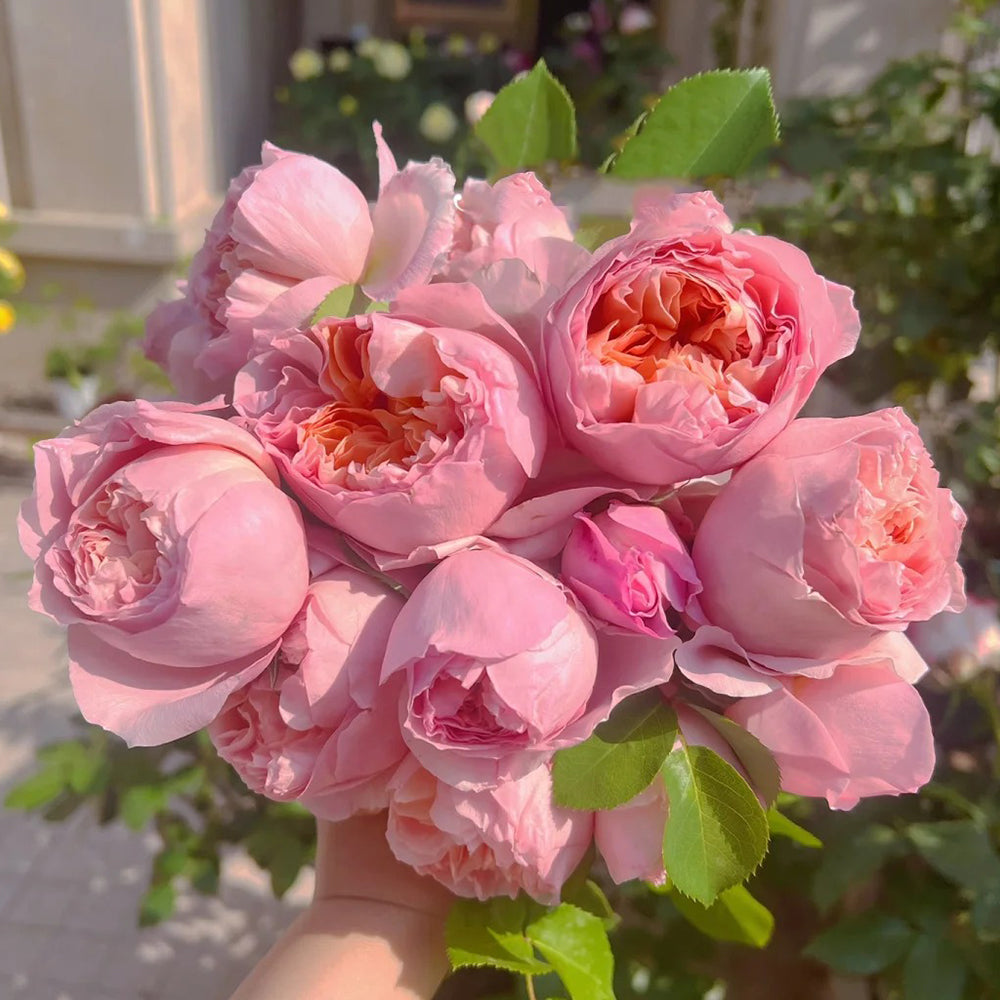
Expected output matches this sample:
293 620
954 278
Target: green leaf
934 970
343 301
36 791
734 916
850 861
621 757
590 897
491 933
157 904
757 760
576 945
862 945
141 803
713 123
986 911
530 122
781 826
961 850
716 831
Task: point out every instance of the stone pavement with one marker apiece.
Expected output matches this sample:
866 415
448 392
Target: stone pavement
69 892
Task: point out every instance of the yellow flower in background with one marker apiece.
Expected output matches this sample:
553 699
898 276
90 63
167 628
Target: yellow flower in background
7 316
11 270
305 64
457 45
4 211
438 122
488 43
348 105
339 60
367 47
393 61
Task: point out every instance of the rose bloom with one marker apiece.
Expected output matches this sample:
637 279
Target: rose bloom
319 729
398 431
498 842
685 347
862 731
161 538
503 221
502 668
836 532
253 256
499 666
629 568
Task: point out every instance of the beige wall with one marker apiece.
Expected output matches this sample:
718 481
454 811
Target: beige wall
815 46
122 120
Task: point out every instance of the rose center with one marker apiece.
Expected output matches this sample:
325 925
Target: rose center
367 428
663 318
114 550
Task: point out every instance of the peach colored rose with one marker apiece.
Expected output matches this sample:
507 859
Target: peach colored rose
685 347
396 430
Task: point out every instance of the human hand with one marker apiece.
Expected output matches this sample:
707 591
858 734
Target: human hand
374 931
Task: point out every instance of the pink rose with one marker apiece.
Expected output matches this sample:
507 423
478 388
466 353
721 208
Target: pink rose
161 538
502 221
685 347
630 837
252 255
322 731
630 569
502 668
836 532
398 431
499 842
499 666
863 731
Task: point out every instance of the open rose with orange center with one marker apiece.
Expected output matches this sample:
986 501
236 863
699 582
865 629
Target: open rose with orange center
395 430
685 347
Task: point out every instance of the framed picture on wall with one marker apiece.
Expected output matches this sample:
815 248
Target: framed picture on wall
512 20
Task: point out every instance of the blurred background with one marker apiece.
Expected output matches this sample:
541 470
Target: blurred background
121 122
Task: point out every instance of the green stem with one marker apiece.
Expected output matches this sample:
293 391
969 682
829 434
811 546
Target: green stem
529 982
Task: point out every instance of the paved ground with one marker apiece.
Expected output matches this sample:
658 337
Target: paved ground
69 892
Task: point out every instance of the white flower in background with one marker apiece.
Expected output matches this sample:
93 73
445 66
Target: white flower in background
305 64
438 122
368 47
392 60
477 104
965 642
348 105
635 18
578 22
339 60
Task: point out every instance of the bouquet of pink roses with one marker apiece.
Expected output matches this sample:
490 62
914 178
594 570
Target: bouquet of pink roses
516 540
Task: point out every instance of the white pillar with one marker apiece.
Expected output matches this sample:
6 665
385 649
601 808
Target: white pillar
113 153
